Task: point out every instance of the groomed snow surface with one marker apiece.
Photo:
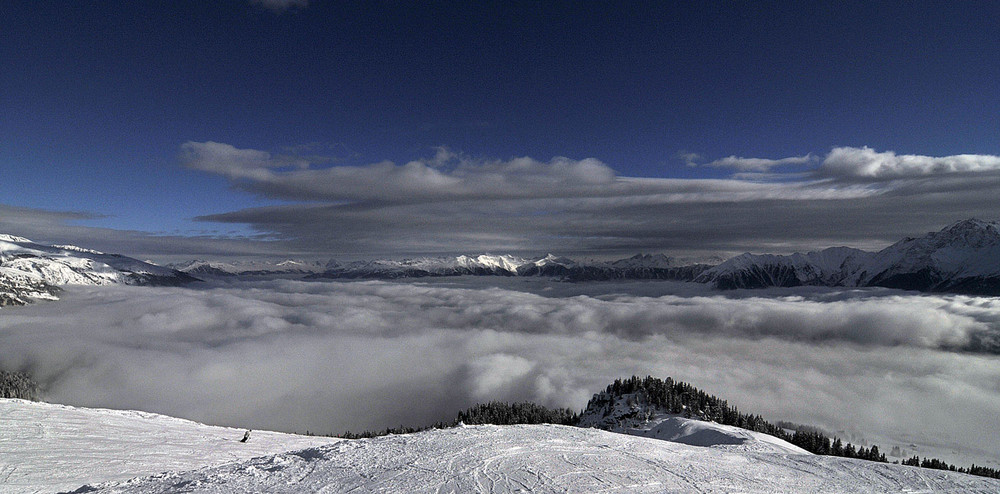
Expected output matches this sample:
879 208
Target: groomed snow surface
50 448
47 448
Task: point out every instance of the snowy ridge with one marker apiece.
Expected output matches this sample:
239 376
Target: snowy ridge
31 271
637 267
828 267
77 249
250 268
11 238
963 257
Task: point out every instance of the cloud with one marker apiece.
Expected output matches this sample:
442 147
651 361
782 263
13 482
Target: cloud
446 176
690 159
280 5
328 357
849 162
451 203
233 163
59 227
759 164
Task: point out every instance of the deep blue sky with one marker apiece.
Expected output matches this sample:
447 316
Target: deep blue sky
98 97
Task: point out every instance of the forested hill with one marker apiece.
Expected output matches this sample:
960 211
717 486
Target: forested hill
634 400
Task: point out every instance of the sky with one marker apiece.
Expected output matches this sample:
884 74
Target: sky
313 128
325 129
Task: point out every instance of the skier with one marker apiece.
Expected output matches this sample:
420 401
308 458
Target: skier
246 437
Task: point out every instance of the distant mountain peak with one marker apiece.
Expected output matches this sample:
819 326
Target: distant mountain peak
972 232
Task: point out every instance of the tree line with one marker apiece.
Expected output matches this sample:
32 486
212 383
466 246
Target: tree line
17 385
937 464
494 412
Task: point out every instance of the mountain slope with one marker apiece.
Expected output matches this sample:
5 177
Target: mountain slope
961 258
31 271
964 257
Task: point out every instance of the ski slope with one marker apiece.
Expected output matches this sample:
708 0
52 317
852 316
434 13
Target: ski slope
50 448
545 458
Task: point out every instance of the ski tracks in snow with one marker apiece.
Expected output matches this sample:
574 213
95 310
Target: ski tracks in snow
546 458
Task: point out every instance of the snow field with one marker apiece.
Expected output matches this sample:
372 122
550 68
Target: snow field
47 448
545 458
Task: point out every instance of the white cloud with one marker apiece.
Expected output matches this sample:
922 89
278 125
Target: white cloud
446 176
759 164
690 159
328 357
850 162
234 163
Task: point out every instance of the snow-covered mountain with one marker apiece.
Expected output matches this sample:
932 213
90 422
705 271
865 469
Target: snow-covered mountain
252 268
481 265
637 267
963 258
31 271
49 448
828 267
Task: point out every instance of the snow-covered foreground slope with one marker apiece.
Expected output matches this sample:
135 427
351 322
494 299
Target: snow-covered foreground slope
544 458
49 448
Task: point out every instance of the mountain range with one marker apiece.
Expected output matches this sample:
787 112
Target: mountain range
641 266
961 258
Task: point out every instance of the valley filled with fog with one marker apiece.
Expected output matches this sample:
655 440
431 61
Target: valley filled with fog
895 368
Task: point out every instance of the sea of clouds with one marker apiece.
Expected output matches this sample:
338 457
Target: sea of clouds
328 357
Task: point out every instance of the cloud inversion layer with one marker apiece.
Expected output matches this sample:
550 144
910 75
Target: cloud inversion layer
329 357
